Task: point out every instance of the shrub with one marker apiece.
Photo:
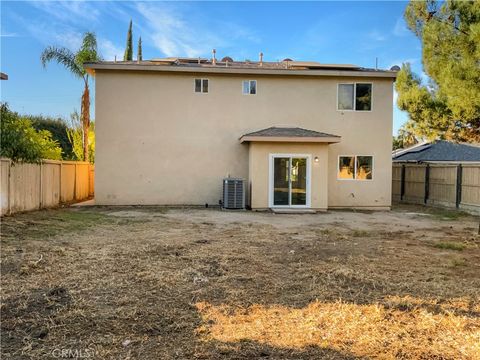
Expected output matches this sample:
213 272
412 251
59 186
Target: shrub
21 142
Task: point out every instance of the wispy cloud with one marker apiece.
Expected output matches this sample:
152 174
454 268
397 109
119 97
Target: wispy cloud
74 12
109 50
51 33
376 36
171 33
400 28
7 35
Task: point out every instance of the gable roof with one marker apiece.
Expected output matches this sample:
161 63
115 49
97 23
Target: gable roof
440 150
289 134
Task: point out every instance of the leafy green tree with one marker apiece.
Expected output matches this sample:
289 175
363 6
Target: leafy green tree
75 137
405 138
128 56
449 106
139 50
58 128
21 142
74 63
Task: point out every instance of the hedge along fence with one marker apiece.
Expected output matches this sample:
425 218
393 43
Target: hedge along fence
47 184
438 185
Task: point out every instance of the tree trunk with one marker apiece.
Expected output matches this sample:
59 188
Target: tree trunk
85 111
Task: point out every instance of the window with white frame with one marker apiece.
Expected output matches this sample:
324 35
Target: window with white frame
201 86
355 167
249 87
356 97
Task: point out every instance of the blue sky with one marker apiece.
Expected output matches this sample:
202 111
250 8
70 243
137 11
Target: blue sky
329 32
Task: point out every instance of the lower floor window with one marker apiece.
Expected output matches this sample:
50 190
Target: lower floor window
355 167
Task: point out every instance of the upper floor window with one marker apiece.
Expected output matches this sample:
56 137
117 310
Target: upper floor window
249 87
357 97
201 85
355 167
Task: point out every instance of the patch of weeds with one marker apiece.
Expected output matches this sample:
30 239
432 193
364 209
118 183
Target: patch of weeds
450 245
360 233
447 214
130 221
47 223
458 263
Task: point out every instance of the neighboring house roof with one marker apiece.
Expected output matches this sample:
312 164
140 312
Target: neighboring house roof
3 76
440 151
199 65
289 134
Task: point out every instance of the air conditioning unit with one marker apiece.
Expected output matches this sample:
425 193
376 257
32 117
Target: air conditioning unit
233 193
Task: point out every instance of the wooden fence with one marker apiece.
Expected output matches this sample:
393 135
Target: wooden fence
446 185
26 187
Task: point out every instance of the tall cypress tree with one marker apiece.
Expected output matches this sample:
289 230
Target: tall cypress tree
139 50
128 56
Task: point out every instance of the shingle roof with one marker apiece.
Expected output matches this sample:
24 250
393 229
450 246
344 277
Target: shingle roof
289 132
295 134
441 151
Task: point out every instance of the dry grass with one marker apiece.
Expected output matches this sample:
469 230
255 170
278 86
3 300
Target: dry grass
152 283
403 329
450 245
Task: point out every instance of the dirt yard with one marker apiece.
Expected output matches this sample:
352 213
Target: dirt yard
156 283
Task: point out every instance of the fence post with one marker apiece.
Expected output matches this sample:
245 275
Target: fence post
41 186
9 210
60 187
427 184
458 199
402 182
75 183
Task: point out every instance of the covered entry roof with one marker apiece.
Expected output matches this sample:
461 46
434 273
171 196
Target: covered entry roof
289 134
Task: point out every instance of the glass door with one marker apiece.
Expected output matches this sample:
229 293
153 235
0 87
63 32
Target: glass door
281 181
298 176
290 179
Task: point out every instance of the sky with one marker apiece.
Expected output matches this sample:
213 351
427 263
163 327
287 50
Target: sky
328 32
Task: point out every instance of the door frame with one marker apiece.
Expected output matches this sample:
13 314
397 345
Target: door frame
308 157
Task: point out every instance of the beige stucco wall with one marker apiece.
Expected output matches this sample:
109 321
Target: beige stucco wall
259 171
158 142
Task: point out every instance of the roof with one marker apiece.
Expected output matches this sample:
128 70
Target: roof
289 134
3 76
440 150
202 65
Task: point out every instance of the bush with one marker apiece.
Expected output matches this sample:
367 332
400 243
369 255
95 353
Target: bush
58 128
21 142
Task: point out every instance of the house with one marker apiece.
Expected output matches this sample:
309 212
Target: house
302 134
439 151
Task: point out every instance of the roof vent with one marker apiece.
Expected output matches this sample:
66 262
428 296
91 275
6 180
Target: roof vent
261 58
227 58
214 59
395 68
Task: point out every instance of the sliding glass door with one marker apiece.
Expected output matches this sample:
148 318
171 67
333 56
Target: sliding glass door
290 181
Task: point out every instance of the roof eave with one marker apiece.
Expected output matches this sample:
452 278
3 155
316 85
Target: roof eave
292 139
232 70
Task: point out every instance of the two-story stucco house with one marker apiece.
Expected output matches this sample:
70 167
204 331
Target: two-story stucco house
302 134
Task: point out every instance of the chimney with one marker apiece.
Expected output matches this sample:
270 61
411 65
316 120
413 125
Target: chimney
261 58
214 59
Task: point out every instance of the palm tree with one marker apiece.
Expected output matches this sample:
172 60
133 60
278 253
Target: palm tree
74 63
